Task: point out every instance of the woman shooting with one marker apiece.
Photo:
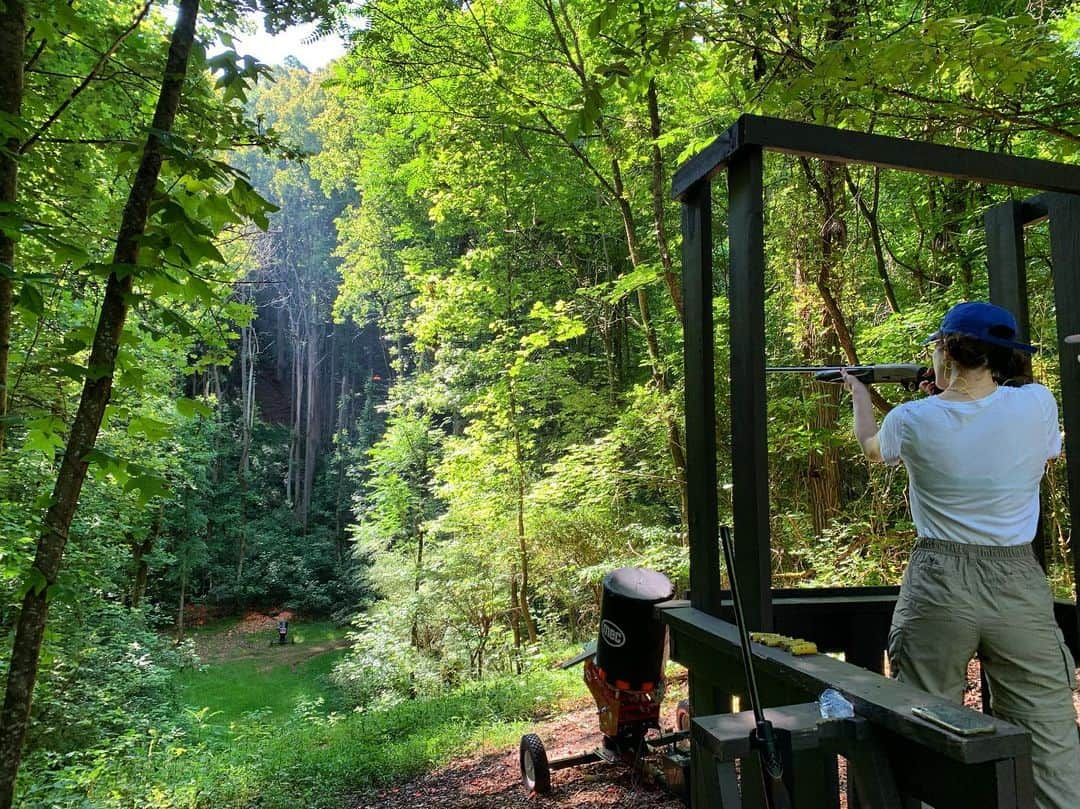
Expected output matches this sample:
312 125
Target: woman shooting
975 455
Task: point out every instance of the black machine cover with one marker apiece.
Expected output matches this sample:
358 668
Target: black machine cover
630 646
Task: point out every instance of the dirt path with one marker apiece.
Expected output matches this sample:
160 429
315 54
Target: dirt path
492 779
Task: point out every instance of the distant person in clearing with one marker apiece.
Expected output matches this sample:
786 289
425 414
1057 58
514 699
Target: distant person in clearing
282 630
975 454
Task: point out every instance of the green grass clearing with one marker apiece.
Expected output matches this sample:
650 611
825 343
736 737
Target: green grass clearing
266 677
314 761
254 733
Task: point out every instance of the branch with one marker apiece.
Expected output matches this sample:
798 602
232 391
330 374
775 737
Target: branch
985 112
86 81
871 216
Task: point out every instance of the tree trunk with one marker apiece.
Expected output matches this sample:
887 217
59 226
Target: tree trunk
616 189
822 464
659 200
656 365
833 236
12 55
515 620
30 627
870 213
139 552
241 550
330 411
311 426
659 375
418 575
180 612
249 350
522 604
281 343
344 413
292 479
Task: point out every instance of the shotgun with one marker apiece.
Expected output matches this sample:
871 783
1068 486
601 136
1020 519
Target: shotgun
908 375
762 738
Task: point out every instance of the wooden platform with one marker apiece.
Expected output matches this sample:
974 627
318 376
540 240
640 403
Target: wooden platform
929 763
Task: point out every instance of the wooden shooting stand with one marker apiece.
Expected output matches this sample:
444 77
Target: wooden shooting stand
895 759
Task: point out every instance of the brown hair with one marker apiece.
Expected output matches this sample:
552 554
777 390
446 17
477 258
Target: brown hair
1008 366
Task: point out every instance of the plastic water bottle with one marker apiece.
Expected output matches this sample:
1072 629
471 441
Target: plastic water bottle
834 705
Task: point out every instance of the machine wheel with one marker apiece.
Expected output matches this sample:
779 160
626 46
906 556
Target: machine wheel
682 715
535 770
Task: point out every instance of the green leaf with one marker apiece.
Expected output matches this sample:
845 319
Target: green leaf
148 486
190 408
629 282
76 373
152 429
96 372
35 582
133 378
45 435
31 300
64 252
200 290
106 465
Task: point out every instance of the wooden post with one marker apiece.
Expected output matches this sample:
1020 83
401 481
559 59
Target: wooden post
1007 273
1005 262
700 400
1065 260
749 418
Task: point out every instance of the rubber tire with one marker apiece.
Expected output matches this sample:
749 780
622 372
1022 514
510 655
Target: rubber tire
532 755
682 715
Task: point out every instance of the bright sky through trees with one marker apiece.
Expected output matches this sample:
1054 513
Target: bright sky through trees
272 49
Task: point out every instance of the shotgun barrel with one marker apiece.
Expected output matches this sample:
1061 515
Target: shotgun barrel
906 374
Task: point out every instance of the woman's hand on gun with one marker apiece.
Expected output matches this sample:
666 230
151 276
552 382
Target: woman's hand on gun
853 383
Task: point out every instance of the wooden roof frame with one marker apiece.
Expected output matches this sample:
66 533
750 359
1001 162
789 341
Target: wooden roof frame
740 151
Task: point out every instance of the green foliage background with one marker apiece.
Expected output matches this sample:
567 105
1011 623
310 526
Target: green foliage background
469 213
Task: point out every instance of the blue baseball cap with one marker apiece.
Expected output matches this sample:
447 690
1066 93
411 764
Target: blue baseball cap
983 321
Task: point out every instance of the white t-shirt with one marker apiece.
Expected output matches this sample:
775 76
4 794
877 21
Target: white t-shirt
974 466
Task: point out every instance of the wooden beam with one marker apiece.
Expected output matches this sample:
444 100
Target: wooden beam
811 770
749 406
846 146
727 736
993 784
700 399
884 702
829 615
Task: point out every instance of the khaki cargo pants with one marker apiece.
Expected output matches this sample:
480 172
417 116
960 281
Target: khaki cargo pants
958 600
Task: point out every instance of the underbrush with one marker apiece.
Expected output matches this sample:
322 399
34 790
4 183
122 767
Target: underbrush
312 758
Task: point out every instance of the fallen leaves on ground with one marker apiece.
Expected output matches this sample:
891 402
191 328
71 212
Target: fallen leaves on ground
492 779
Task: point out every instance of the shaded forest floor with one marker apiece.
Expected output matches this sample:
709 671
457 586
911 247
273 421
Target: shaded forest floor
491 779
